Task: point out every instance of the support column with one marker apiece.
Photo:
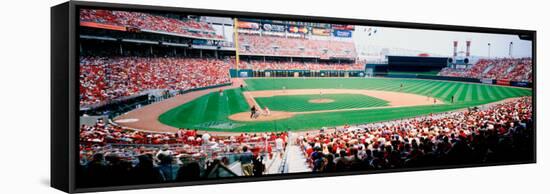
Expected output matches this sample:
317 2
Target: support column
236 42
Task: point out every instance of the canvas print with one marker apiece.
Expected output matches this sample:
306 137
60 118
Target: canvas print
170 97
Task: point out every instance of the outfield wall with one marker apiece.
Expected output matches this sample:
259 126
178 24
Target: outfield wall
244 73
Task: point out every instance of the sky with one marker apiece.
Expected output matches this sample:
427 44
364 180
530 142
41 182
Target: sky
441 42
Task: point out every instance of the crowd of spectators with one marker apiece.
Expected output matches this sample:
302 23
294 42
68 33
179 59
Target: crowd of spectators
497 133
104 79
112 155
274 65
520 69
144 21
104 133
295 47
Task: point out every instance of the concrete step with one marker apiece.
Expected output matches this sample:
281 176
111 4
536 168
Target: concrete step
296 160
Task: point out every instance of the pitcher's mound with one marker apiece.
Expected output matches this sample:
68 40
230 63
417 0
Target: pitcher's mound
321 100
273 115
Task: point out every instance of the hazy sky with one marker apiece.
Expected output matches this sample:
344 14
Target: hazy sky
440 42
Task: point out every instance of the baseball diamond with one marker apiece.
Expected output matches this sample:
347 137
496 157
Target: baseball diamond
211 111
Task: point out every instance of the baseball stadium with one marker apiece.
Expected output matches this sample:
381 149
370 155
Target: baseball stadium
174 97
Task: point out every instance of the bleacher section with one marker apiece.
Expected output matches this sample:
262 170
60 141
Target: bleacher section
499 69
105 79
295 47
122 20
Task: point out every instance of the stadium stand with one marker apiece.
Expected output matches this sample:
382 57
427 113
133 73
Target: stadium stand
501 69
295 47
103 133
111 155
104 79
500 132
150 22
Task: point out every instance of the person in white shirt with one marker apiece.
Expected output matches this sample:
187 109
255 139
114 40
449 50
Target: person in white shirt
279 146
206 138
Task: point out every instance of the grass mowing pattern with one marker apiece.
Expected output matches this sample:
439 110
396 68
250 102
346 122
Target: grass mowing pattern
210 112
300 103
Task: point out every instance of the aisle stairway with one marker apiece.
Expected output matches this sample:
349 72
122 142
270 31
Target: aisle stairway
273 165
293 161
296 160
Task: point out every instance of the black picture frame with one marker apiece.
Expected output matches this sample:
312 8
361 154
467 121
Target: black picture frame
64 88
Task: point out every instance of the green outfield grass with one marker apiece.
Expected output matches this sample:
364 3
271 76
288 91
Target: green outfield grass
300 103
210 112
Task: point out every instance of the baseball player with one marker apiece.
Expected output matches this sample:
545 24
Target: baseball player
253 111
266 111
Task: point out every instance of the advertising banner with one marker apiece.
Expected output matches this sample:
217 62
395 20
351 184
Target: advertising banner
273 27
342 33
320 31
248 25
296 29
503 82
520 84
486 80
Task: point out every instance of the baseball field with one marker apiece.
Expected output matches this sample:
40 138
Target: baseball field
302 104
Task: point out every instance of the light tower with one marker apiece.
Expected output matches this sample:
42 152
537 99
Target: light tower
510 49
455 44
468 48
467 57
